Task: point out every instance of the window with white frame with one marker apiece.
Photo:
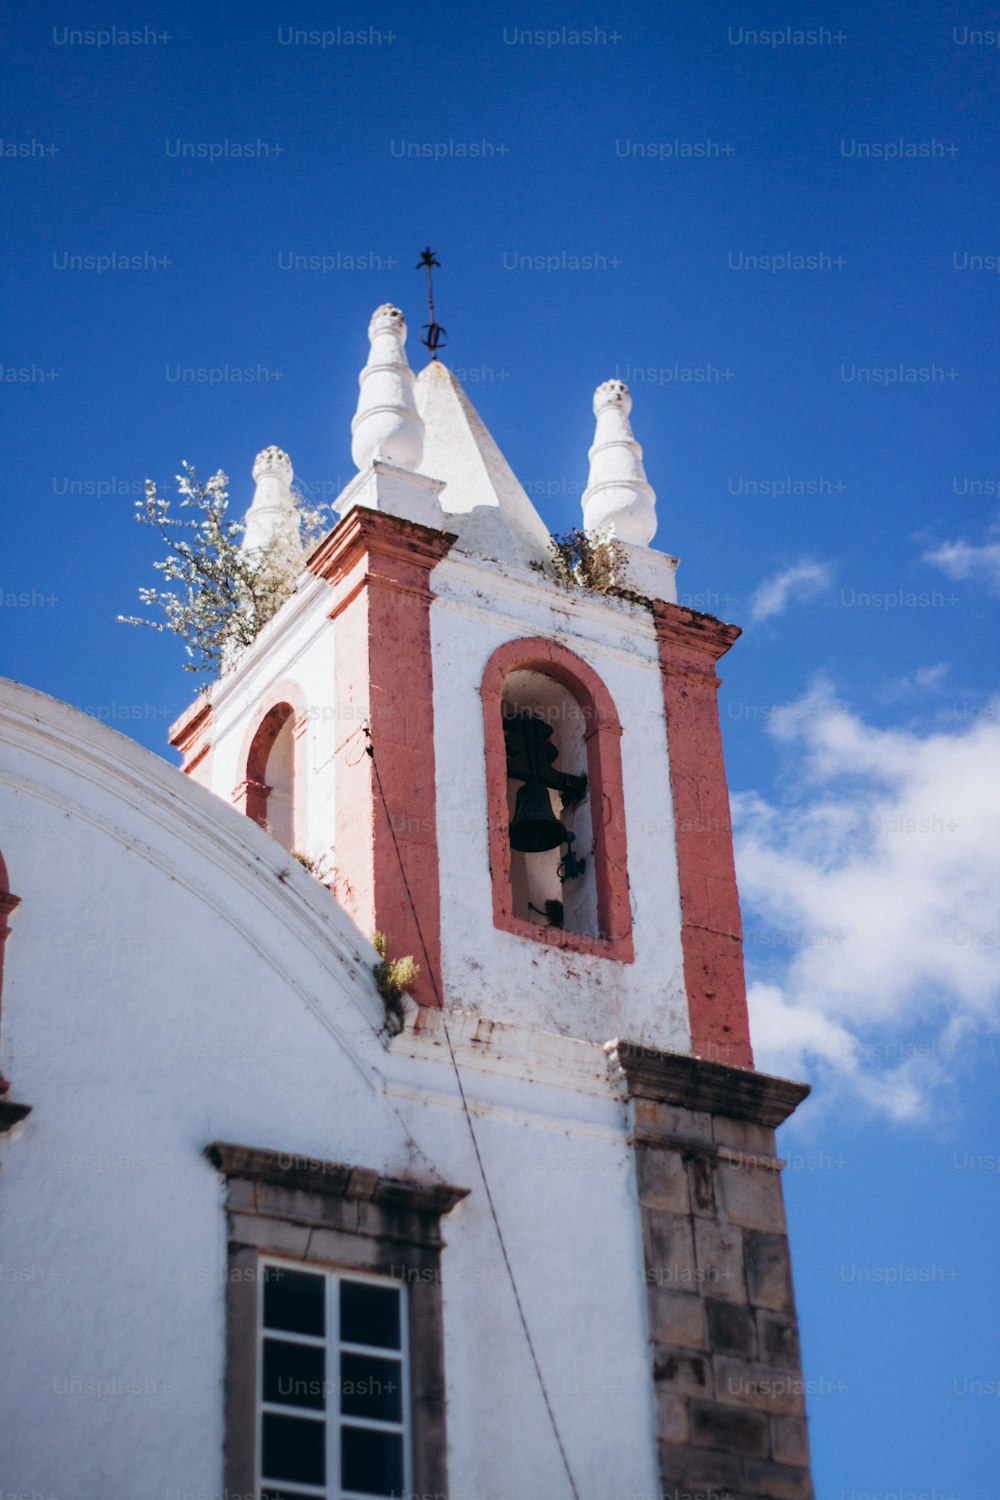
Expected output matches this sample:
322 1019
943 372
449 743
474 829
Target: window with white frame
335 1380
333 1385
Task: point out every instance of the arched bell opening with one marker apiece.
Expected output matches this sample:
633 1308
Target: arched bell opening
550 831
537 679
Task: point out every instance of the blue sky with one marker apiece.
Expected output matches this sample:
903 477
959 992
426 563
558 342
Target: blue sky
793 263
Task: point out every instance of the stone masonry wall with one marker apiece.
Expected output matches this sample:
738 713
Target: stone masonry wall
724 1340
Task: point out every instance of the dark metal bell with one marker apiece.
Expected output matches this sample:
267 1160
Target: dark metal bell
534 826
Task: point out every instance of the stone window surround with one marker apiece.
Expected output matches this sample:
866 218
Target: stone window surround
346 1218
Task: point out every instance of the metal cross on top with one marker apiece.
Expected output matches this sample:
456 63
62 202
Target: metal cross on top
432 335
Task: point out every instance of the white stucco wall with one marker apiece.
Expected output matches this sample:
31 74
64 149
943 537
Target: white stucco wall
478 608
173 977
297 646
480 604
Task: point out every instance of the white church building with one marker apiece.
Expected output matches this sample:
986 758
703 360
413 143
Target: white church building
260 1234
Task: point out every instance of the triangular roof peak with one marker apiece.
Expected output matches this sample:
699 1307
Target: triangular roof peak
483 500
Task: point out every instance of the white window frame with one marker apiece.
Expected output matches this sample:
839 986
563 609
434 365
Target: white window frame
334 1346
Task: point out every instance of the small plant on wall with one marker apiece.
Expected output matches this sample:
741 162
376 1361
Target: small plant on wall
393 977
587 560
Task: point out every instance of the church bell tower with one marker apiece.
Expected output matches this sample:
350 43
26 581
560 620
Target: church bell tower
507 758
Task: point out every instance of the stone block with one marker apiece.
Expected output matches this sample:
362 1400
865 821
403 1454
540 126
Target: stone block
731 1328
790 1441
276 1236
750 1195
701 1173
741 1135
769 1274
687 1469
730 1428
653 1118
776 1481
662 1179
778 1339
719 1252
740 1382
682 1371
669 1249
673 1423
678 1318
241 1194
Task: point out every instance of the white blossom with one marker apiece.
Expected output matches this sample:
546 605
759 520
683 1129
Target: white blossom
223 596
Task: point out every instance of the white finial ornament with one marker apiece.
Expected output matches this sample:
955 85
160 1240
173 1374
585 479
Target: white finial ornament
618 500
273 513
387 424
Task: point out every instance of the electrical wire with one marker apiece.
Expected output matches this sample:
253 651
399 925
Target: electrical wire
472 1132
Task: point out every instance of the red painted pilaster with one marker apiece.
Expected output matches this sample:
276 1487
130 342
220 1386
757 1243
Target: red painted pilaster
379 566
711 931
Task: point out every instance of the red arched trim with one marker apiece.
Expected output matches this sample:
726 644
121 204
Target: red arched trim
257 790
8 904
607 797
285 701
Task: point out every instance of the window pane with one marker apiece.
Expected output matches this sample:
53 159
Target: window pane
371 1462
294 1300
294 1374
271 1494
371 1387
293 1448
369 1314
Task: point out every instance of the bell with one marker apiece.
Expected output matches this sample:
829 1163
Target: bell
534 826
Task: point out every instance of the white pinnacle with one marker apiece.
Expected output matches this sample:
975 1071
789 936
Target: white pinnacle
273 514
387 424
618 500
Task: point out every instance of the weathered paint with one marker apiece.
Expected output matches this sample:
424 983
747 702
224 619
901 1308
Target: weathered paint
711 932
386 841
480 608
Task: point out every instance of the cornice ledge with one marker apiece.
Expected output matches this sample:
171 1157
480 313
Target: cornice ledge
484 1045
309 1174
378 531
678 625
521 578
189 724
700 1083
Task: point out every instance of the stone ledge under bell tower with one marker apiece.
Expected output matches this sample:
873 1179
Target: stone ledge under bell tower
723 1331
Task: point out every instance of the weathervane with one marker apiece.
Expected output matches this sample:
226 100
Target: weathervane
432 335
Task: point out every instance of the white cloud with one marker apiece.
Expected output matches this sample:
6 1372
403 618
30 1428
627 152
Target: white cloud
795 585
925 680
965 560
931 677
875 880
